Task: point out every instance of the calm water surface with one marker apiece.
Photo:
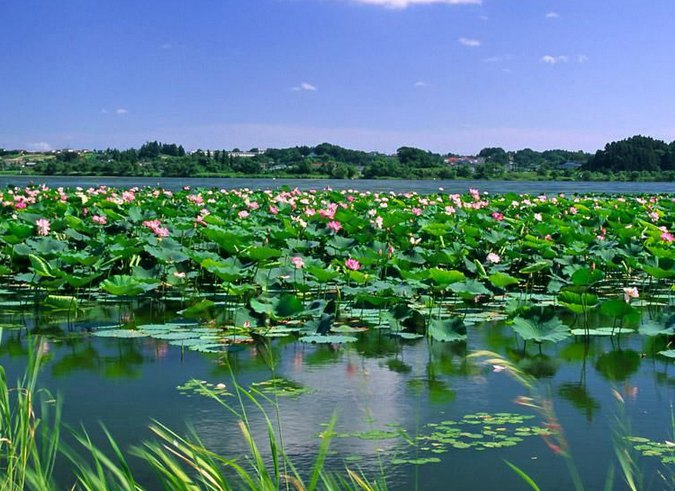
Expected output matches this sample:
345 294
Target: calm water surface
399 186
377 383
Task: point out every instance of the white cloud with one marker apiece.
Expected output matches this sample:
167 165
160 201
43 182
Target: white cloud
166 46
40 147
553 60
402 4
552 15
305 87
472 43
121 110
421 83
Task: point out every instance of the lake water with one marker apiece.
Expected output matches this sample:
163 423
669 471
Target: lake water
398 186
376 386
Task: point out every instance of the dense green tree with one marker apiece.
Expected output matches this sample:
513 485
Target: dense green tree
494 154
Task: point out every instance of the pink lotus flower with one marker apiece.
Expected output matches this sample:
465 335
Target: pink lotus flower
100 219
274 210
629 293
243 214
352 264
156 228
667 237
498 216
42 225
298 262
493 258
417 211
335 226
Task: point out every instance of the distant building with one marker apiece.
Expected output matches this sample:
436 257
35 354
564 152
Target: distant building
464 160
246 155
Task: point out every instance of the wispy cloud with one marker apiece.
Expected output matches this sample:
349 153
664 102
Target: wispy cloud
304 86
421 84
121 111
472 43
39 147
552 15
402 4
554 60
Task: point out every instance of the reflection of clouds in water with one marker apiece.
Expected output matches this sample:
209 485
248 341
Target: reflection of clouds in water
364 393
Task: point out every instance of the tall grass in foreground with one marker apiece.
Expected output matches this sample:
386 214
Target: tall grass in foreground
626 457
30 443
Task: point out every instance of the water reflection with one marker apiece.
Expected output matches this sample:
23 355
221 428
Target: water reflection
375 384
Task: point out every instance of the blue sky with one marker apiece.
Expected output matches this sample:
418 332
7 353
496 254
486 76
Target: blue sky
444 75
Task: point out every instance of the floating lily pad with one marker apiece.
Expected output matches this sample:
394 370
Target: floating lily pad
602 331
330 339
279 386
119 333
664 451
203 388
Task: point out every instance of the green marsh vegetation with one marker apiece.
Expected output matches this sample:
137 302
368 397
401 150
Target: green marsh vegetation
244 267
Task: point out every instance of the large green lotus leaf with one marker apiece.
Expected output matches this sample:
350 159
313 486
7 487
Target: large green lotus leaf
242 317
41 266
80 281
668 353
262 253
502 280
444 277
587 276
438 229
80 257
288 305
47 245
536 267
229 241
618 308
166 253
329 339
581 299
226 271
659 273
125 285
20 230
322 275
447 330
263 305
339 242
61 302
538 330
469 288
76 236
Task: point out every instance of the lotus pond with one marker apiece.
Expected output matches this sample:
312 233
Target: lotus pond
377 307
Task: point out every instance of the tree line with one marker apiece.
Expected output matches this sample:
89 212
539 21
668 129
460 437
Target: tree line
636 158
